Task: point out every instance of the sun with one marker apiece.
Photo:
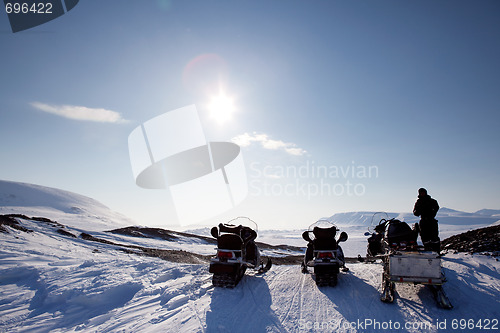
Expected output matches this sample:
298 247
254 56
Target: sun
221 108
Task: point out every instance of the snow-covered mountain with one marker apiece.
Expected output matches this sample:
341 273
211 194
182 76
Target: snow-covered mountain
451 222
489 212
63 281
444 216
66 207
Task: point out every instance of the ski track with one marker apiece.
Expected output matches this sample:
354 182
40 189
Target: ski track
49 283
296 292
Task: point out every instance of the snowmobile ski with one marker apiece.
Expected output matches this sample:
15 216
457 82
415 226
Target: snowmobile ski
265 268
387 295
440 296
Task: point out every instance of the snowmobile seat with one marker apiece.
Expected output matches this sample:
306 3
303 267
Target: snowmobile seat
229 228
325 233
324 244
229 242
324 238
398 231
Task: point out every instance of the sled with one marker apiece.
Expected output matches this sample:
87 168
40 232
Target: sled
406 262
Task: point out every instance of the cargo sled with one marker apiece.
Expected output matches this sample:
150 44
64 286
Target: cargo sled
404 261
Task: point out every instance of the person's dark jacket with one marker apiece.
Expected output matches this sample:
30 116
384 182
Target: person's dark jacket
426 207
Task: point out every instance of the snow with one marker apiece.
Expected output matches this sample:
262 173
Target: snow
489 212
50 283
53 283
445 216
65 207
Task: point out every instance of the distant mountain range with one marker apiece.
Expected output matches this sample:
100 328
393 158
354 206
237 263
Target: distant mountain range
62 205
444 216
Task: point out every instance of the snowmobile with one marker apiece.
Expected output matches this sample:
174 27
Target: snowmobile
236 251
404 261
323 252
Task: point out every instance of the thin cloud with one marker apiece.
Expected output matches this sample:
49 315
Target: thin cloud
81 113
246 139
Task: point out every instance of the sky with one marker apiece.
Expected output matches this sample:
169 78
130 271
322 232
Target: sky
337 106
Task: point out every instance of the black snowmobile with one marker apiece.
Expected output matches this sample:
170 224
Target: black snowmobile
323 252
236 251
395 242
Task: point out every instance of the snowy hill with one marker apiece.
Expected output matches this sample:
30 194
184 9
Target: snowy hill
64 277
67 207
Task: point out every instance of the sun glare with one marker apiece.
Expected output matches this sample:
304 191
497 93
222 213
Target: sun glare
221 108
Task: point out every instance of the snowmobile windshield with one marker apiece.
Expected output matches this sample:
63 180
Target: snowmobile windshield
321 224
244 222
376 219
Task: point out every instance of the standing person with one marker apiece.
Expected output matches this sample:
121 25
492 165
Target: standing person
427 208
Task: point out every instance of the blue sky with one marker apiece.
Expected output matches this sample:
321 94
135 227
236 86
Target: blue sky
411 88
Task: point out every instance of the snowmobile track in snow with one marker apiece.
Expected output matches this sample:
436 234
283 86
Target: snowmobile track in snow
55 283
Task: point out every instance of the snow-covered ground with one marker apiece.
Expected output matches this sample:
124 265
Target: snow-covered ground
54 283
49 282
